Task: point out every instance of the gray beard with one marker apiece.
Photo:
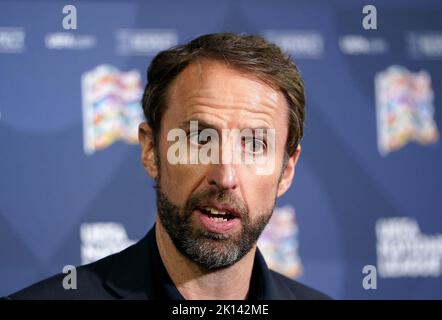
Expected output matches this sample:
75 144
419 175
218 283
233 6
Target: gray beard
210 250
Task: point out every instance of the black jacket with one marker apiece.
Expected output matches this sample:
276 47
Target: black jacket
138 273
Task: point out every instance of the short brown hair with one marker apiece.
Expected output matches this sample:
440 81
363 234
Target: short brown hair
248 53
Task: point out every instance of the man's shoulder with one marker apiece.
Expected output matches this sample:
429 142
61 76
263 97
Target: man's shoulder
291 289
83 282
125 274
90 280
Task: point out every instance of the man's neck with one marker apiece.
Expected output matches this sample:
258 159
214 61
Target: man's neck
195 282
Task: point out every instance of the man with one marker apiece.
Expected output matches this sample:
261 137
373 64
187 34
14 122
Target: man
210 213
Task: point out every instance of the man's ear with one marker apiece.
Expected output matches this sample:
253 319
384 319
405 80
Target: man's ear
289 172
147 149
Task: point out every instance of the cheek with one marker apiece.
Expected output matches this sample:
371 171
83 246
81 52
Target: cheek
180 180
260 192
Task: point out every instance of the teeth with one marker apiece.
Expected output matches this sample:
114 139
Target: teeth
218 219
215 211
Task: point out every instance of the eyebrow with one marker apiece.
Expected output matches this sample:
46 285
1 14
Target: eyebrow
201 124
185 125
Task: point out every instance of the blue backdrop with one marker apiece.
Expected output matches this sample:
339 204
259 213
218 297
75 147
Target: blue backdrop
358 202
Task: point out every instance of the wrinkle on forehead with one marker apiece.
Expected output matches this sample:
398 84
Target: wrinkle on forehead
226 116
214 87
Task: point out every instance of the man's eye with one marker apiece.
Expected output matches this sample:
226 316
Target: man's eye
255 146
195 138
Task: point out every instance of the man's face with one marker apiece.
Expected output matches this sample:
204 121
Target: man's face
214 213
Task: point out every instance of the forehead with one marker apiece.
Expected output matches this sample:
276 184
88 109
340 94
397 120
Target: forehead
212 89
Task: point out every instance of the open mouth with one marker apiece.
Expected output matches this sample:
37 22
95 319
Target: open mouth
218 215
221 219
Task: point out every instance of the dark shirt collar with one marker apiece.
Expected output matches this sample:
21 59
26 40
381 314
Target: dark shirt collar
145 276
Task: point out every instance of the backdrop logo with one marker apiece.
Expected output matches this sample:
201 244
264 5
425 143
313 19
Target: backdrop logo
354 44
404 108
279 242
424 44
101 239
142 42
403 251
12 40
304 44
111 107
69 41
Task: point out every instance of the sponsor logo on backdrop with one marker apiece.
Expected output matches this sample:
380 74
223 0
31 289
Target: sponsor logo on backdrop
361 45
69 41
300 44
279 242
100 239
424 45
135 42
12 40
404 109
111 107
404 251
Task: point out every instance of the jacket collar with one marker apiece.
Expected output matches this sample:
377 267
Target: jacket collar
130 276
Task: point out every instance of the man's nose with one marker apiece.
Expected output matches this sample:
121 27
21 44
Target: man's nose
223 176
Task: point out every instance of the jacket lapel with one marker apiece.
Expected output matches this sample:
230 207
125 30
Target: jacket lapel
130 276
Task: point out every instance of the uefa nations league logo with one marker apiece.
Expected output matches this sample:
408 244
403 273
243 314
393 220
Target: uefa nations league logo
279 242
111 107
404 109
